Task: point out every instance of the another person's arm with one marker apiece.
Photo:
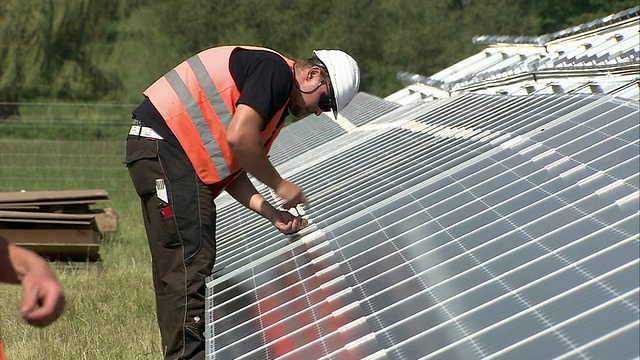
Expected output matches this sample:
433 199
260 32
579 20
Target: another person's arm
246 194
43 296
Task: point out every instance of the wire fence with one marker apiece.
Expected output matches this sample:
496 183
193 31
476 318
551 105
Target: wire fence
64 146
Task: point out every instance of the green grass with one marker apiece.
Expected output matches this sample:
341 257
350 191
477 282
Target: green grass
53 121
110 311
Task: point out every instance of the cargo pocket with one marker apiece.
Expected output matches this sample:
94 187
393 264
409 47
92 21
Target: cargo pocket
170 237
185 187
143 165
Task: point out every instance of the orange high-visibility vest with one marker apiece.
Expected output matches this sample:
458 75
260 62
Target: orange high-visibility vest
197 99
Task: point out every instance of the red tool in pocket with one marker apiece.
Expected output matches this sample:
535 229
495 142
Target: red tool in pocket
165 210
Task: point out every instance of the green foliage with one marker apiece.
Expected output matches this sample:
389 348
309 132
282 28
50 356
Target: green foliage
51 48
554 15
112 50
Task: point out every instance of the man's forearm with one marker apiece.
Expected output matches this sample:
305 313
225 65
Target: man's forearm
246 194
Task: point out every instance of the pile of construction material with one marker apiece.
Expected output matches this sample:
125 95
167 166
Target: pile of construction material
59 225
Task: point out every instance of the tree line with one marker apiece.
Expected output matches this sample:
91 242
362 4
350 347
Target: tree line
111 50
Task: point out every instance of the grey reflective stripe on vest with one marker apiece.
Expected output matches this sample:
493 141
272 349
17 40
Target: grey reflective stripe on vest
210 143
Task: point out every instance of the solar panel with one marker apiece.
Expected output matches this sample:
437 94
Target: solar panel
480 226
365 108
601 48
302 136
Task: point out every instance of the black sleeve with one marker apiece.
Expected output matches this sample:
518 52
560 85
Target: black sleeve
264 79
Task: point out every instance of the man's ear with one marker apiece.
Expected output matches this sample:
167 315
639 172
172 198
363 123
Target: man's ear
314 71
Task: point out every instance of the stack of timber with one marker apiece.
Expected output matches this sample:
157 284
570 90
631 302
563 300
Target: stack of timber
58 225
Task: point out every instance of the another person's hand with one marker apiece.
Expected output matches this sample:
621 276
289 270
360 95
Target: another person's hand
291 194
287 223
43 297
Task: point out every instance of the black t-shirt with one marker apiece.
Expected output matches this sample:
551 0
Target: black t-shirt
263 78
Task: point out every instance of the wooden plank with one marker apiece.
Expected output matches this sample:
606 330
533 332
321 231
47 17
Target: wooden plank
53 197
19 207
17 222
65 252
46 205
52 236
35 216
106 219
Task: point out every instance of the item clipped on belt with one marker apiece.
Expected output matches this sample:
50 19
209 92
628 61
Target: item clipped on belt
144 131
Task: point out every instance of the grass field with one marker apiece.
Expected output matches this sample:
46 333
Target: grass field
110 311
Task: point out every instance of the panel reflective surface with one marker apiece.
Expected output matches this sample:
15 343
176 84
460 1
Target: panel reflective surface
489 227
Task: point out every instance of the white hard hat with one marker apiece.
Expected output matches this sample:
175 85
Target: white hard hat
344 75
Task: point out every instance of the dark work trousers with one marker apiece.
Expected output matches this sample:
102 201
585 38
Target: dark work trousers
182 244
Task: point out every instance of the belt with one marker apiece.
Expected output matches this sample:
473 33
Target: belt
144 131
